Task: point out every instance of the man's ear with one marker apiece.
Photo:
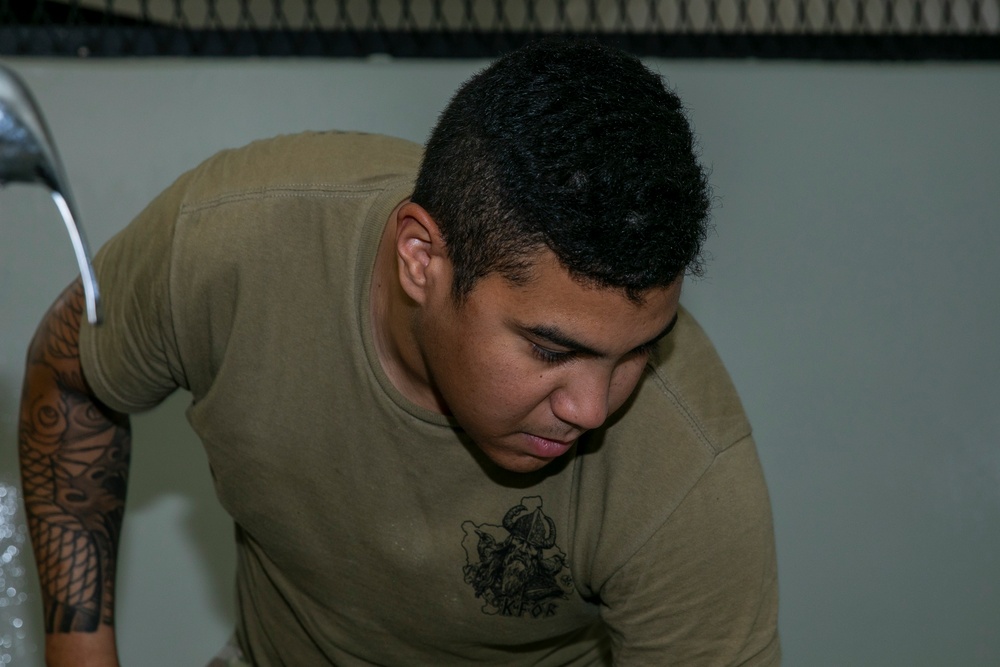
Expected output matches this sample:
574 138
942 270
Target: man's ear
421 257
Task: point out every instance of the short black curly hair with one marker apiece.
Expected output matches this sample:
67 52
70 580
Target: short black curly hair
572 146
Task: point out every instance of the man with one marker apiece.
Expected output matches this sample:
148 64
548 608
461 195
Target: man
448 396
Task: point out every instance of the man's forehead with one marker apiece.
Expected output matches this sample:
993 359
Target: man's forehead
588 318
548 297
541 267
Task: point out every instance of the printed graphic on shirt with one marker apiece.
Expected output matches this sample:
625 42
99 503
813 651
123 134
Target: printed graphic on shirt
516 567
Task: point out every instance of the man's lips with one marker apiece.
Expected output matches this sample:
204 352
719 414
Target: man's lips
547 448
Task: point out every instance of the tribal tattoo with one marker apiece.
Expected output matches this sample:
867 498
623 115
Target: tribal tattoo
74 456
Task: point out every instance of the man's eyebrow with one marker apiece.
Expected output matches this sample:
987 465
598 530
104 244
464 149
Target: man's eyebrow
556 337
670 327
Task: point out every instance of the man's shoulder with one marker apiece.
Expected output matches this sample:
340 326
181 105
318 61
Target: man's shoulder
328 160
683 415
357 148
348 143
687 393
684 420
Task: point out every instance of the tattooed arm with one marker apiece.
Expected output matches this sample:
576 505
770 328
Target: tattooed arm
74 454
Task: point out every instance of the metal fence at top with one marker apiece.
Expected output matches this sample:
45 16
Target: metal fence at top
825 29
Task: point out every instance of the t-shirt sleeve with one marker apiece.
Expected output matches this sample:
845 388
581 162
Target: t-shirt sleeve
703 589
131 360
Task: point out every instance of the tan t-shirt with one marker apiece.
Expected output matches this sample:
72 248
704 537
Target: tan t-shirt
371 531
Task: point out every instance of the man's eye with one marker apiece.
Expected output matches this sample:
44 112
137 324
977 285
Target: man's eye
644 350
550 356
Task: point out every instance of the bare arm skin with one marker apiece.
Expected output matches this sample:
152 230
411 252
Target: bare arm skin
74 455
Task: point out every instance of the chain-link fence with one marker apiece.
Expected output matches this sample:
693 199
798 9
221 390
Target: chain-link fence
832 29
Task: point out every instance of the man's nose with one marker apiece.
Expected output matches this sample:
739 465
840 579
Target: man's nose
583 400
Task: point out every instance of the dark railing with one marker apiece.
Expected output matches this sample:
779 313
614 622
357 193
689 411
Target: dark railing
802 29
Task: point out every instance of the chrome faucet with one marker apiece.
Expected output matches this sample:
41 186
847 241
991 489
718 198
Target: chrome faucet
28 155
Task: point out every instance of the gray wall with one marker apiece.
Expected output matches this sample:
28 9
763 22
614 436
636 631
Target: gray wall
852 292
